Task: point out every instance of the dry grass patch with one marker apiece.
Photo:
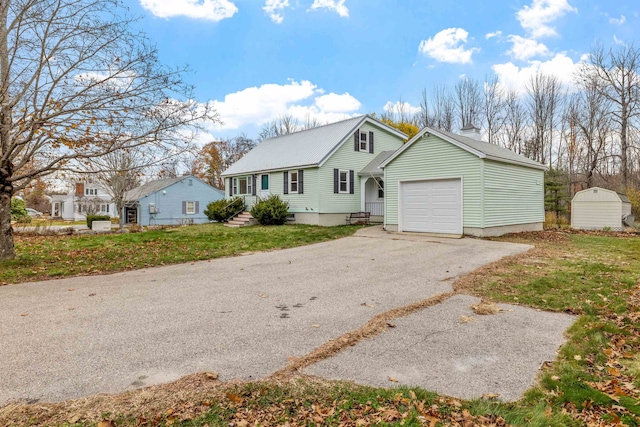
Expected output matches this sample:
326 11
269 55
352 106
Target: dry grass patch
485 307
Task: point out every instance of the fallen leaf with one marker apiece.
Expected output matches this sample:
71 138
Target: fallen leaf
212 375
234 398
613 372
393 379
577 357
391 325
71 289
465 319
490 396
106 423
315 326
92 294
24 314
364 304
261 295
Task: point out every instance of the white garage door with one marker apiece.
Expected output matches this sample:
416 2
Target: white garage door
432 206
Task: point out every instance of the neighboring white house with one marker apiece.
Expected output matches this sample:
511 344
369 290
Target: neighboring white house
596 208
88 198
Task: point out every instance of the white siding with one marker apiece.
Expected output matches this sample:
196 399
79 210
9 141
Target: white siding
596 208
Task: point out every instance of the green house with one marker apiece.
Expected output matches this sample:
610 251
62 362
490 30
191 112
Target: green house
438 182
322 172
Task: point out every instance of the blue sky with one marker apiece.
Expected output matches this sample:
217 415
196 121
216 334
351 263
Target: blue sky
330 59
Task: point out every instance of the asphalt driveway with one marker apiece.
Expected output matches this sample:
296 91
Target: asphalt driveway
242 317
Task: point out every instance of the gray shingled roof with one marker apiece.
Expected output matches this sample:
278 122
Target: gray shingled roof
481 148
309 147
150 187
373 168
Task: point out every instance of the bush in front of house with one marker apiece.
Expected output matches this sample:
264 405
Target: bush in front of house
222 210
271 211
19 211
91 218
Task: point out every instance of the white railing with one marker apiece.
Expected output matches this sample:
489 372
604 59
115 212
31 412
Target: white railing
374 208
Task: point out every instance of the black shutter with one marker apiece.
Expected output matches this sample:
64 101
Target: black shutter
253 185
371 142
184 208
356 141
336 180
230 183
351 176
286 183
197 207
300 181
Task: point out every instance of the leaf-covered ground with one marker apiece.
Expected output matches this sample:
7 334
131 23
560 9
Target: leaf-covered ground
594 382
47 257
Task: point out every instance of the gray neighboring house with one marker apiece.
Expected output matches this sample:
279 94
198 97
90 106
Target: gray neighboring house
171 201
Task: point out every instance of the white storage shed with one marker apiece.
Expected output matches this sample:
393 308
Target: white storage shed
596 208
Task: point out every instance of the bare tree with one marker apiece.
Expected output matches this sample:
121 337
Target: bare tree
515 123
493 108
215 157
468 102
424 117
283 125
617 76
77 82
444 108
543 102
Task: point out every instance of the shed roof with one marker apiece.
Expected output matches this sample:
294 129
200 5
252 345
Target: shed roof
481 149
373 168
306 148
590 191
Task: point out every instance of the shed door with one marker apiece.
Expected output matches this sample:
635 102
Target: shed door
433 206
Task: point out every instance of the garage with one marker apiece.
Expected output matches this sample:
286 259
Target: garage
448 184
431 206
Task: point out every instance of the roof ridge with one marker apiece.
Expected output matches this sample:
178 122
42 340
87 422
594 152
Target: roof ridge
315 127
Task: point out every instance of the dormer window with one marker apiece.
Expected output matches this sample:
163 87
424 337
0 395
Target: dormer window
364 141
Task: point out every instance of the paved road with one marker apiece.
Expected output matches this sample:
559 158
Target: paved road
241 316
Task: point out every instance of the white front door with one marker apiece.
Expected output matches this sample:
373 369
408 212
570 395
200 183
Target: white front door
264 186
433 206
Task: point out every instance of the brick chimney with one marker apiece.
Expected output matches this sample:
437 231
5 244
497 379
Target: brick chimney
79 189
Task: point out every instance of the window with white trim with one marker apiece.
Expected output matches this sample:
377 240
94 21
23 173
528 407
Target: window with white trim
343 181
364 141
191 208
380 188
90 191
243 185
293 182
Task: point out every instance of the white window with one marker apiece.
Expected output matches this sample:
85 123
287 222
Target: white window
90 191
293 181
235 186
191 208
245 185
364 141
343 182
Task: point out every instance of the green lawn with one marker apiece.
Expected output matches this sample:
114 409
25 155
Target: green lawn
46 257
595 380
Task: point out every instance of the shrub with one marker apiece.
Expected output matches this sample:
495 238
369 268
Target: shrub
19 211
91 218
221 210
271 211
555 220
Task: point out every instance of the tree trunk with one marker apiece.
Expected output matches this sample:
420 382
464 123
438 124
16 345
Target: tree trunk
7 249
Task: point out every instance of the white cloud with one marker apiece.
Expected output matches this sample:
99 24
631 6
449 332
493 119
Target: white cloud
273 8
493 34
400 107
618 21
212 10
336 6
536 17
617 41
514 77
448 46
338 103
258 105
524 49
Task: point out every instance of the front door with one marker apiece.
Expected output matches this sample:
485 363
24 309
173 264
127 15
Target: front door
264 186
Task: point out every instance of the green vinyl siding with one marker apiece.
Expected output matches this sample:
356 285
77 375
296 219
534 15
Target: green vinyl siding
346 158
429 158
305 202
512 194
